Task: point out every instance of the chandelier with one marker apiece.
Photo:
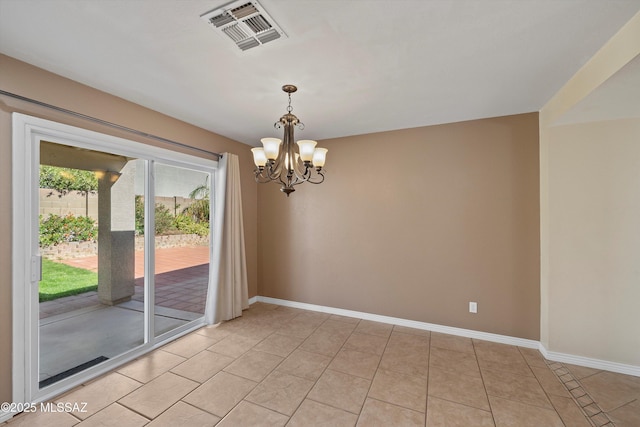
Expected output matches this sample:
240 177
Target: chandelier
289 165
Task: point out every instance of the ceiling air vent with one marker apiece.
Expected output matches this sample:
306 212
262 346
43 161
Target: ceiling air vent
246 23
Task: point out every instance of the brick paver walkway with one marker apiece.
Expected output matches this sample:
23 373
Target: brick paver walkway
181 281
167 259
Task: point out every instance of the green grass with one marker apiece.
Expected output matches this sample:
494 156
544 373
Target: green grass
60 280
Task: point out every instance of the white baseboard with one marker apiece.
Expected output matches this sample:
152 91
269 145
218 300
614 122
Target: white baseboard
5 416
503 339
588 362
468 333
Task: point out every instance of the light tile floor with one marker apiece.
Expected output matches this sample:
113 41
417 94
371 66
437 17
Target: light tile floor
279 366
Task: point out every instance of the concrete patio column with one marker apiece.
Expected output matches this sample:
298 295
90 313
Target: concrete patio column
116 235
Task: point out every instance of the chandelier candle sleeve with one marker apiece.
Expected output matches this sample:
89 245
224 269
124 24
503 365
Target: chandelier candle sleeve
287 163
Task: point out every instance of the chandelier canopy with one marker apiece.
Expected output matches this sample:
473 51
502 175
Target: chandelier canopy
291 164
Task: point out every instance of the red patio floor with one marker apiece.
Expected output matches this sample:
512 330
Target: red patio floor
181 281
167 259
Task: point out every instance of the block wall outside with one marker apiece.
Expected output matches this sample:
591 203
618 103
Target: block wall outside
85 249
78 204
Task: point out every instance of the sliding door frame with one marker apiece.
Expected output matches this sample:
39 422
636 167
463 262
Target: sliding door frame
28 132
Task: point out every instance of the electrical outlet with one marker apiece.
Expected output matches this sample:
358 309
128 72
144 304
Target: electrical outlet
473 307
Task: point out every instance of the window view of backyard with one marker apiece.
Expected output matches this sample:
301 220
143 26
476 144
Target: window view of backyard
60 280
69 236
92 241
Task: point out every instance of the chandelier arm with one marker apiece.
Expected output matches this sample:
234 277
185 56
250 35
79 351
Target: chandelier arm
262 176
321 175
289 183
303 181
296 165
274 172
310 180
289 154
301 176
298 177
270 172
276 167
259 174
260 179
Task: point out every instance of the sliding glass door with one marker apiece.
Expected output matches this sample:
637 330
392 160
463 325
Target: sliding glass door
116 254
90 309
182 198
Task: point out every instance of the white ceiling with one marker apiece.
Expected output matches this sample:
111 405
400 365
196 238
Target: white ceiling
361 66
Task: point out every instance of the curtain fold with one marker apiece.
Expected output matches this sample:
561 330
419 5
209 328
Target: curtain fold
228 287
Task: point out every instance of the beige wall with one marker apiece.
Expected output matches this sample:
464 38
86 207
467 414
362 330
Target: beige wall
606 330
415 224
23 79
594 201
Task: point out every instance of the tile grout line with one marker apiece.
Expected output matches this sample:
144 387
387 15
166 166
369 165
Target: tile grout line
375 372
276 367
306 396
426 397
591 410
235 375
547 394
484 385
244 399
329 364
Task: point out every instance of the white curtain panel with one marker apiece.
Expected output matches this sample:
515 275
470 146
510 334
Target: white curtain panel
228 288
